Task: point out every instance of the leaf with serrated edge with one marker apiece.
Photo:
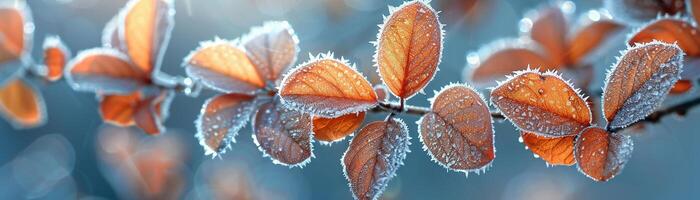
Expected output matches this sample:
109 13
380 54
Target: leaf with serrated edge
542 103
554 151
458 132
272 48
327 87
374 156
640 80
224 66
601 155
329 130
283 134
409 48
220 120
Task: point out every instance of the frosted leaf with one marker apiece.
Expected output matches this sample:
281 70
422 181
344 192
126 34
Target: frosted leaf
224 66
151 111
329 130
542 103
327 87
554 151
382 92
409 48
104 70
110 35
639 82
669 29
16 37
601 155
640 11
272 48
22 104
374 156
458 132
220 120
144 28
283 134
56 55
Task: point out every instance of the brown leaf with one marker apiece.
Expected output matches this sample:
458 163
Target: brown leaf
504 57
409 48
670 30
640 81
549 29
335 129
146 29
328 88
119 109
148 113
56 55
591 36
283 134
220 120
272 48
542 103
458 132
22 104
224 66
374 156
105 70
602 155
554 151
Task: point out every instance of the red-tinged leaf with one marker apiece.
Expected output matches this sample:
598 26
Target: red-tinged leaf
382 92
640 11
409 48
592 35
549 29
119 109
220 120
283 134
670 30
147 114
554 151
602 155
458 132
328 88
22 104
681 87
56 55
335 129
223 66
374 156
105 70
272 48
503 57
640 81
145 29
542 103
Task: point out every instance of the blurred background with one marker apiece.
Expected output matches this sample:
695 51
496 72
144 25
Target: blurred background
75 156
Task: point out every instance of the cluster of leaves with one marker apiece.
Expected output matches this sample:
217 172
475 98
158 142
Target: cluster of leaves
21 103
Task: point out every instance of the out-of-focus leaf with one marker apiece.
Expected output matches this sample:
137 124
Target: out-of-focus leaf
22 104
554 151
335 129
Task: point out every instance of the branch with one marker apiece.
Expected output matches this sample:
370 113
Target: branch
393 107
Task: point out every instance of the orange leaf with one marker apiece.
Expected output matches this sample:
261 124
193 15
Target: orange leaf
542 103
56 54
640 11
105 70
549 29
327 87
119 109
374 156
283 134
592 35
602 155
220 120
149 113
458 132
14 41
639 82
146 29
22 104
670 30
409 48
335 129
694 9
682 86
224 66
554 151
272 48
503 57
